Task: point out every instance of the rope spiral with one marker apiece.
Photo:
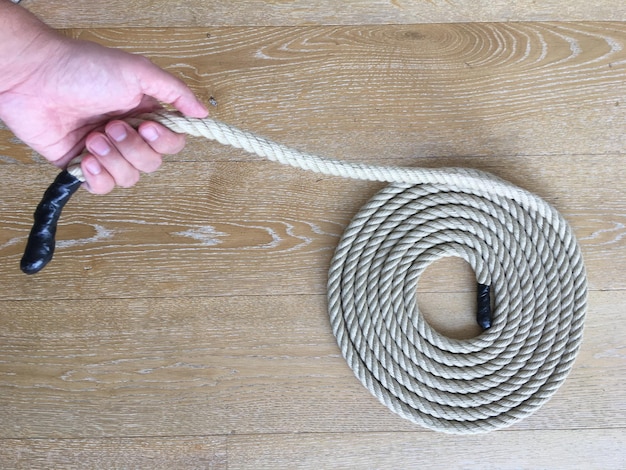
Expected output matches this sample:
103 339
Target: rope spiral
515 242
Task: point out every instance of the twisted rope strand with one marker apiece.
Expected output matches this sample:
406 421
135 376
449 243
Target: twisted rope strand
515 242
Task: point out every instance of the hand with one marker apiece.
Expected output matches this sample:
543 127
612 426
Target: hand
76 96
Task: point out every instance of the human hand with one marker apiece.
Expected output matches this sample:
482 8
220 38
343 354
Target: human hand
77 95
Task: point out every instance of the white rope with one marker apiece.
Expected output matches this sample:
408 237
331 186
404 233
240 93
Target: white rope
515 242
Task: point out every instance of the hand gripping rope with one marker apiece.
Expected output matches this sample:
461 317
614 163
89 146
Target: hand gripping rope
527 262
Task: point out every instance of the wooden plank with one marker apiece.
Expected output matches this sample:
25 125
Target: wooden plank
580 449
401 91
235 228
215 366
154 453
572 450
83 13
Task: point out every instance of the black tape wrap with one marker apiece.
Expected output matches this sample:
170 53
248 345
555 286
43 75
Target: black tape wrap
483 314
40 247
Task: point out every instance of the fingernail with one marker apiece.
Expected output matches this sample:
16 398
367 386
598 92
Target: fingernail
92 166
149 133
100 146
117 132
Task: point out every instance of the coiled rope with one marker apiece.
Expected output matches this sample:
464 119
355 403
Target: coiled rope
515 242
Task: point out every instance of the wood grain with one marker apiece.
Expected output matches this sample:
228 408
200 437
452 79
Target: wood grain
506 450
255 228
183 322
150 453
572 450
551 105
84 13
221 365
403 91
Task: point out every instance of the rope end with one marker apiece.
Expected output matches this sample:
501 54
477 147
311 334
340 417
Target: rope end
483 312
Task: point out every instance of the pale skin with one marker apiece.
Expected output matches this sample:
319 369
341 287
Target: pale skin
60 96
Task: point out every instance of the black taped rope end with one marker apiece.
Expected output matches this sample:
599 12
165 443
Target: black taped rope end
483 313
41 241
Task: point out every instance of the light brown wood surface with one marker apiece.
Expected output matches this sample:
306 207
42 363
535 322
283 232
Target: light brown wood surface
86 13
183 322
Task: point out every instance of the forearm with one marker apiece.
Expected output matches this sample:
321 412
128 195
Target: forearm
25 42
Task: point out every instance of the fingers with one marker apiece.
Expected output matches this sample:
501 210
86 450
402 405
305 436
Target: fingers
120 154
97 180
161 139
166 88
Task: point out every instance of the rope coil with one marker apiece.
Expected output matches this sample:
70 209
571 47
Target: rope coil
515 242
455 386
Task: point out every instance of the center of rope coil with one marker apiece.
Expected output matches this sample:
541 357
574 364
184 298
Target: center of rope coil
517 244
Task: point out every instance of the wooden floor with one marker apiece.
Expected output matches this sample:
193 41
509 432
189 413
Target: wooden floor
183 322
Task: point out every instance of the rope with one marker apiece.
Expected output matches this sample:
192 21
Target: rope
516 243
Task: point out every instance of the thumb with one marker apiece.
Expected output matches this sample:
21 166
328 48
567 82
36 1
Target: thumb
166 88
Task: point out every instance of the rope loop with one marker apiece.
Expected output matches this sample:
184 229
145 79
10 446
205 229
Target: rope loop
536 274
